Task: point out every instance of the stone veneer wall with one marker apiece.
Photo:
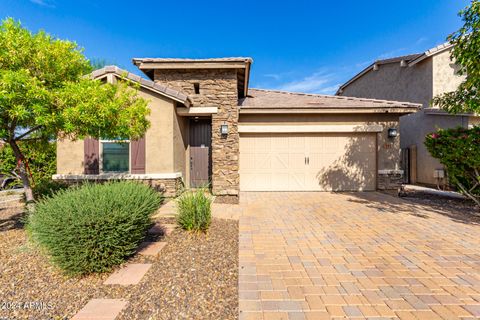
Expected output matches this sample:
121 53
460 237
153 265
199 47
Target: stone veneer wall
391 180
218 87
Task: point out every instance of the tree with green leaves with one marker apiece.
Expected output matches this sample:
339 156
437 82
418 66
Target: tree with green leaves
458 149
45 94
466 53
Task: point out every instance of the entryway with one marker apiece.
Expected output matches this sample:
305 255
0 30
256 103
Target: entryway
200 152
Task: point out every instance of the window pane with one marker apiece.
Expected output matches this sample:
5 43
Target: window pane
115 157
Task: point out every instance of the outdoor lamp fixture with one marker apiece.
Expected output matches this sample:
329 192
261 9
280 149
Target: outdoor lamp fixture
224 129
392 133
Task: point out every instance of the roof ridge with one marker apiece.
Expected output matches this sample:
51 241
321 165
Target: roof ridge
337 97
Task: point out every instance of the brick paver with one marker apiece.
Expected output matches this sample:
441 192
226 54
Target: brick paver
101 309
151 248
130 274
358 255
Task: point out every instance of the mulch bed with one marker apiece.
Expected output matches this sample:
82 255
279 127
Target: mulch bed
195 276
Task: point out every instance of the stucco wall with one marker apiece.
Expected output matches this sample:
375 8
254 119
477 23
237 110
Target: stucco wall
70 157
388 148
392 82
159 137
159 141
445 77
180 145
414 128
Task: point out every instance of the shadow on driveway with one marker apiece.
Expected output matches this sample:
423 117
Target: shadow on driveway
385 202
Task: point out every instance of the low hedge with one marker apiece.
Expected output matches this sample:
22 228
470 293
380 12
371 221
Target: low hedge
93 227
194 210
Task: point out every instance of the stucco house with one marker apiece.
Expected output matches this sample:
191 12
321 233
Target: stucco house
416 78
209 127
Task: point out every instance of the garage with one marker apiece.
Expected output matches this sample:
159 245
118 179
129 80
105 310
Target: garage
309 142
307 161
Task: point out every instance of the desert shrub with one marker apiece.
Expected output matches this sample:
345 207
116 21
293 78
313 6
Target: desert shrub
194 210
93 227
459 151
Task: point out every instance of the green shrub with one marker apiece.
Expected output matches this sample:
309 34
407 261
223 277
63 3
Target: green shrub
95 226
459 151
194 210
41 159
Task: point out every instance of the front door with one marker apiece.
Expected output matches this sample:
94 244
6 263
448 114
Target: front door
200 152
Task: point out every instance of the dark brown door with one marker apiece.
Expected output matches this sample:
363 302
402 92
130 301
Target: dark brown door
200 152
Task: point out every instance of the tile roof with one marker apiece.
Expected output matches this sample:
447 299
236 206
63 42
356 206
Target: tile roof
431 52
148 84
406 58
272 99
228 59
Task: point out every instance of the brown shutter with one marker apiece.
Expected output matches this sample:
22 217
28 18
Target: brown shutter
91 156
138 156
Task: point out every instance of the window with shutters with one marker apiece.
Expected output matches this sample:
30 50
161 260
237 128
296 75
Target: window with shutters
115 156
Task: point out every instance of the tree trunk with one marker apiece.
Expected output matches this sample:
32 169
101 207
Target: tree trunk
22 172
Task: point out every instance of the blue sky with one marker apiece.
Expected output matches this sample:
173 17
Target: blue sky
306 46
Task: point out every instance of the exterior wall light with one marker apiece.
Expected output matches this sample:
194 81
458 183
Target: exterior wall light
392 133
224 129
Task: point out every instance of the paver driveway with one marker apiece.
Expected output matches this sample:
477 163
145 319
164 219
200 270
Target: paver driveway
359 255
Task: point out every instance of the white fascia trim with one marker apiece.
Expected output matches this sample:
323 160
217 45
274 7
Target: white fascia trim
117 176
196 111
308 128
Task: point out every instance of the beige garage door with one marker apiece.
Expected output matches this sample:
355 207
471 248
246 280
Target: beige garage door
308 162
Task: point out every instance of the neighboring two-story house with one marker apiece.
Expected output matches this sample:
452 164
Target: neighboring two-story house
209 127
415 78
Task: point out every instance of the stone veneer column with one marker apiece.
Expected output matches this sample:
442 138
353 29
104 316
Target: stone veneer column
218 87
225 151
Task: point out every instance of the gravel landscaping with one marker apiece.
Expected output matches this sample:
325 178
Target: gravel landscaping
458 208
195 276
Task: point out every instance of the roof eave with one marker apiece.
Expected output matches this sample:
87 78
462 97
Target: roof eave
394 110
430 53
358 75
146 84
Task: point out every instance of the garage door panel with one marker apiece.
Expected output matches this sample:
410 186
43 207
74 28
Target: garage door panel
262 161
337 161
297 161
277 181
281 161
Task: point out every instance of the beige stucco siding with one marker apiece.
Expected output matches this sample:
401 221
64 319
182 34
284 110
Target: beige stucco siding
392 82
180 144
444 77
388 148
162 140
414 128
70 157
159 137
